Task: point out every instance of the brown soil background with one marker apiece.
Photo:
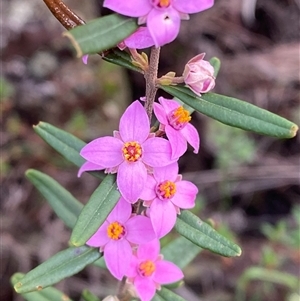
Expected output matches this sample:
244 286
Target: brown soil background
258 45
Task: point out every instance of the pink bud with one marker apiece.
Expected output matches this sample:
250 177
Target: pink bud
199 75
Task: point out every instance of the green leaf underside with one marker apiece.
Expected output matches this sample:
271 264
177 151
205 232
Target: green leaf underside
235 112
101 34
168 295
204 236
94 213
180 251
216 63
62 265
61 200
121 58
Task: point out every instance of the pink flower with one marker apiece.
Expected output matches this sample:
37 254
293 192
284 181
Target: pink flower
117 233
148 271
174 120
199 75
131 152
140 39
162 16
165 193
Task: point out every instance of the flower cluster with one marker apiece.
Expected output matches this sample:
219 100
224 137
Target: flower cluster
147 171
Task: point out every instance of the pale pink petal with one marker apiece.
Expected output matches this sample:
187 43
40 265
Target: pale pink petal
139 230
132 8
185 194
163 217
131 179
177 141
167 272
148 192
100 238
105 151
85 59
166 173
168 104
132 271
160 113
134 123
117 256
145 288
88 166
149 251
192 6
163 25
140 39
157 152
121 212
192 136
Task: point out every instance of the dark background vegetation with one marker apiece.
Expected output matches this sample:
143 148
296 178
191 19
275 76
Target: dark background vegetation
249 184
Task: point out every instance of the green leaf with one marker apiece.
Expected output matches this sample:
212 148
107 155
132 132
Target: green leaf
204 236
62 201
100 263
168 295
62 265
101 34
180 251
47 294
216 63
66 144
94 213
157 298
235 112
121 58
88 296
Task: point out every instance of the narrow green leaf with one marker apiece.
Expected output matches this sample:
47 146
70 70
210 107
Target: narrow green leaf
95 211
235 112
216 63
101 34
180 251
121 58
158 298
100 263
47 294
88 296
62 265
66 144
204 236
168 295
62 201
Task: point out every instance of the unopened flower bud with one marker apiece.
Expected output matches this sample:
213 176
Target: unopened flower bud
199 75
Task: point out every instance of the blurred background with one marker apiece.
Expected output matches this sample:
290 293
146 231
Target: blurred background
248 184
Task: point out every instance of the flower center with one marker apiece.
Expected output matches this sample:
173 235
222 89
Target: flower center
179 117
146 268
161 3
132 151
166 190
115 231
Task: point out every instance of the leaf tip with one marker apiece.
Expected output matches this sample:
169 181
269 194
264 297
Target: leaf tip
294 130
17 286
74 43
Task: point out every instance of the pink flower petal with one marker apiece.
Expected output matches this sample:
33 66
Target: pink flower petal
117 255
163 217
185 194
192 6
131 179
157 152
177 140
105 151
88 166
132 271
145 288
134 123
160 113
191 135
100 238
84 59
148 251
121 212
166 173
132 8
167 272
148 192
163 25
140 39
139 230
168 104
